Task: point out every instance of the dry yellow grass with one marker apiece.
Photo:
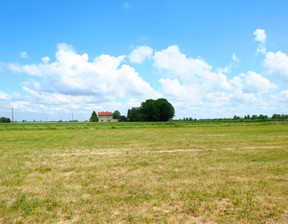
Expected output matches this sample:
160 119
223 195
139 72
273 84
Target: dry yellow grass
144 173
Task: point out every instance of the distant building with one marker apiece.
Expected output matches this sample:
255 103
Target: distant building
106 117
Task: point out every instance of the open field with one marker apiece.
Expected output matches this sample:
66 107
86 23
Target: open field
144 173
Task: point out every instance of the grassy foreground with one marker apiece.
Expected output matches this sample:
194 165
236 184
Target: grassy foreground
144 173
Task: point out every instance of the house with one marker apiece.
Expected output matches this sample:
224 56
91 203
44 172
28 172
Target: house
106 117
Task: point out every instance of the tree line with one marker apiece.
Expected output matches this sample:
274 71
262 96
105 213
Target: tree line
150 110
5 120
262 117
254 117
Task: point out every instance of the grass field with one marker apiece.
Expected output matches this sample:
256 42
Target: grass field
144 173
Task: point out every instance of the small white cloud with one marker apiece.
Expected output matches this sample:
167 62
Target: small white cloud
235 58
260 35
23 54
132 102
140 54
282 96
4 96
45 60
224 70
261 49
277 64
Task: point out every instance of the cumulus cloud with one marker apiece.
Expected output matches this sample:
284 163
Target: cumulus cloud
140 54
73 74
189 70
255 83
260 36
181 91
277 64
75 82
172 60
191 82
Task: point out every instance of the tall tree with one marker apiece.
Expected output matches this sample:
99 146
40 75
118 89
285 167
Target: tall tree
135 114
166 110
94 117
150 110
116 114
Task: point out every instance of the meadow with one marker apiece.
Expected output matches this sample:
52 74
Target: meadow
174 172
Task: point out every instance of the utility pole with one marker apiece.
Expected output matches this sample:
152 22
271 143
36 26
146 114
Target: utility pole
12 114
72 117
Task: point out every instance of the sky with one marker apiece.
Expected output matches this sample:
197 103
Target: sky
209 59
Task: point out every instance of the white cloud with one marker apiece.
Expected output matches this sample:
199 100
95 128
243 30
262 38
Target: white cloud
132 102
28 69
189 70
235 58
23 106
282 96
73 83
192 83
181 92
23 54
45 60
224 70
255 83
73 74
277 64
260 35
4 96
140 54
172 60
261 49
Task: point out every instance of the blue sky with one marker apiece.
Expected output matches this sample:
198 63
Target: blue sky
208 58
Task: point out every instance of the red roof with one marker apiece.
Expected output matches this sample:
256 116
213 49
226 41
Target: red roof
105 113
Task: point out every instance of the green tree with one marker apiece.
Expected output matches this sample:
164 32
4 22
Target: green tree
123 118
254 117
276 116
236 117
152 110
116 114
4 120
134 114
94 117
166 110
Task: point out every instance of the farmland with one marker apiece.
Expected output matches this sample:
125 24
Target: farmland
189 172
